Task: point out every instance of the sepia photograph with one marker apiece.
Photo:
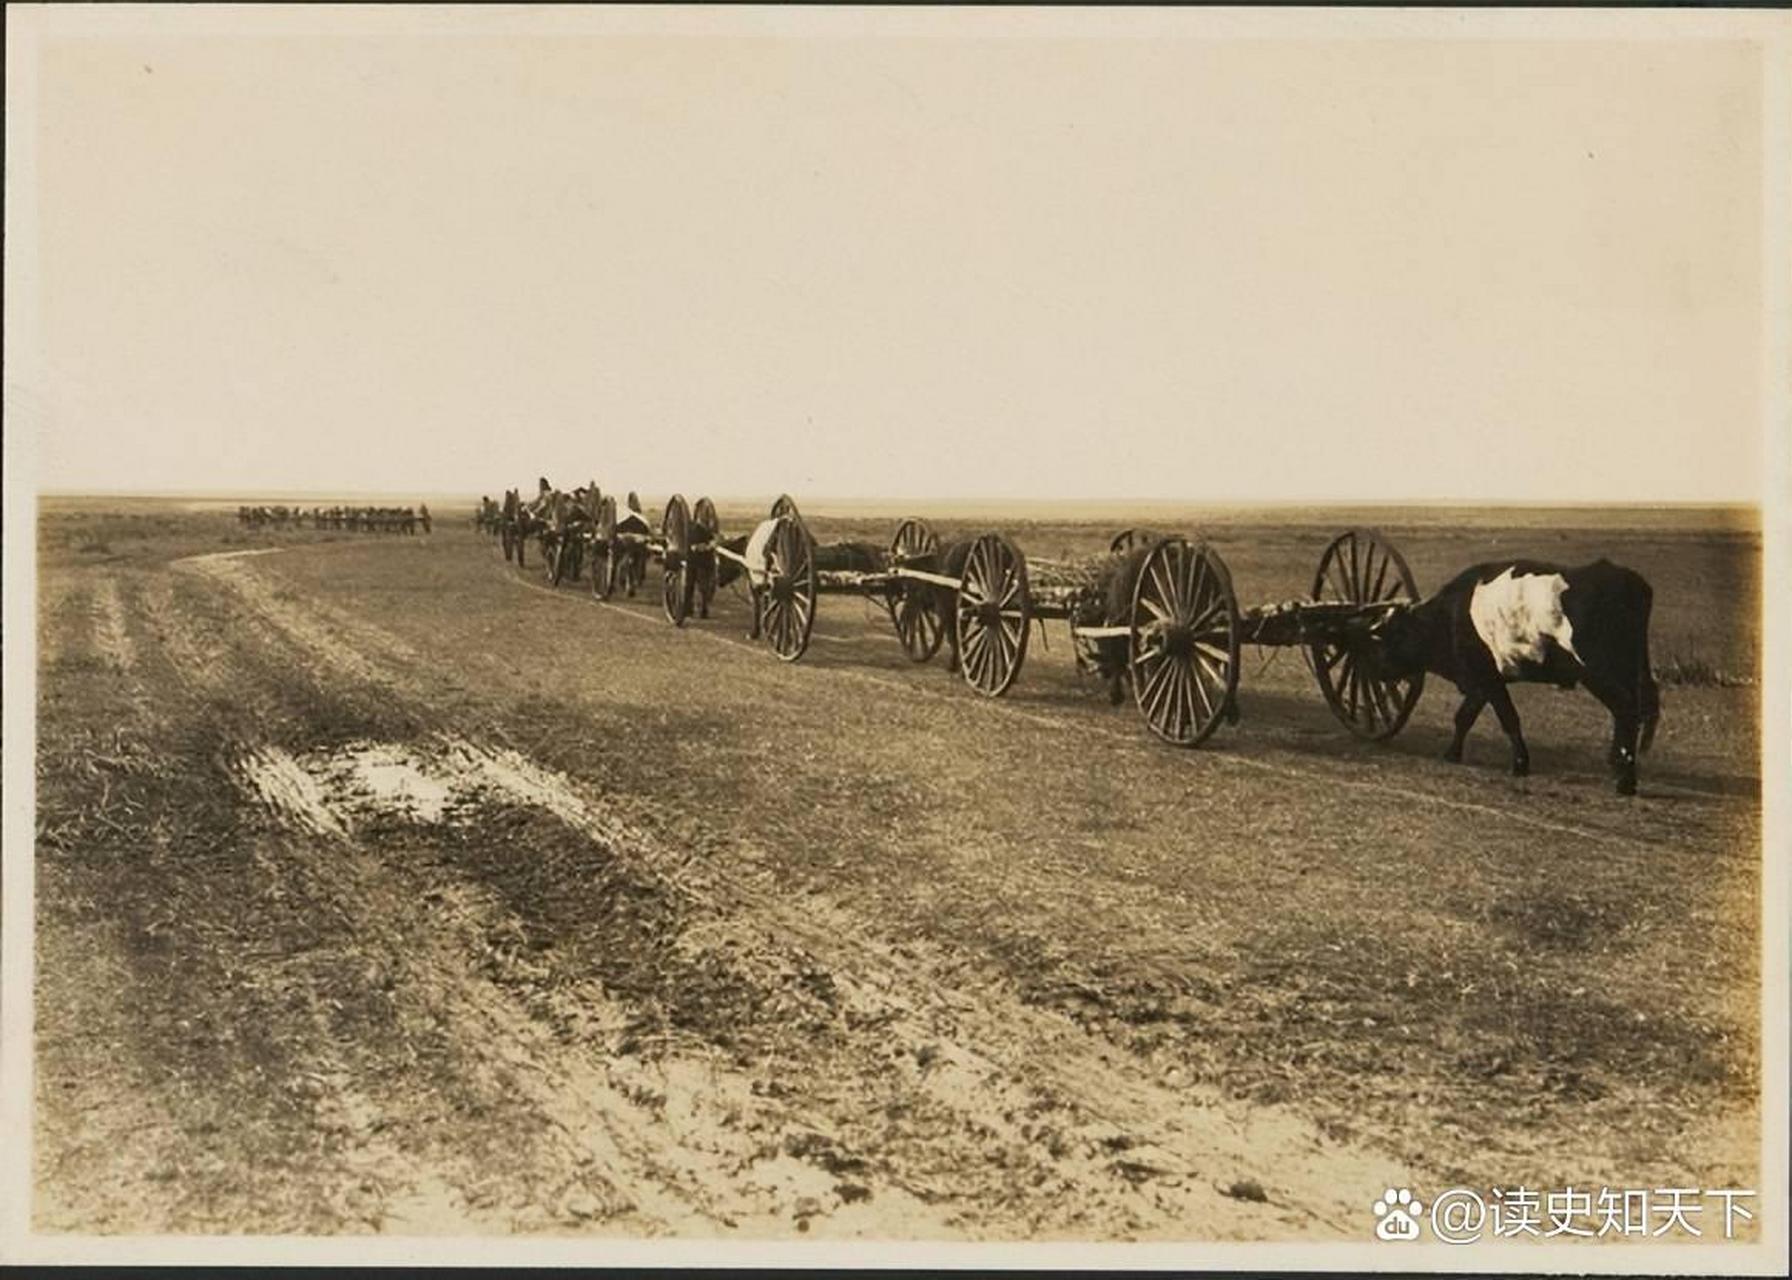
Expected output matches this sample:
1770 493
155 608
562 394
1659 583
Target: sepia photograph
850 636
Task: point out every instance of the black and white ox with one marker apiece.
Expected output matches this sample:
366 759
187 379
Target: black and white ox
1508 621
755 550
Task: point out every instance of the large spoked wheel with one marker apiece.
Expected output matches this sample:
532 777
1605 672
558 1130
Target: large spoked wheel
914 606
603 549
1183 650
1360 567
675 530
790 588
993 612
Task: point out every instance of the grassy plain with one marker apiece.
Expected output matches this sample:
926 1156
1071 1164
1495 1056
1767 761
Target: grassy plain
700 943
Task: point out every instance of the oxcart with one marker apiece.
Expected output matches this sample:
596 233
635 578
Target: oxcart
1183 632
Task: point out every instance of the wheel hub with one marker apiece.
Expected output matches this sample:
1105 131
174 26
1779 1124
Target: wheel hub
1177 640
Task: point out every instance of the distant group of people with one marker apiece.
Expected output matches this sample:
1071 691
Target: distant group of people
364 519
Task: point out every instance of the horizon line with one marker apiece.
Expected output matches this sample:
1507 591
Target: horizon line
1051 499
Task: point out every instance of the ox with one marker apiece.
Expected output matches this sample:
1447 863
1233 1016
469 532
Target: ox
1508 621
755 549
700 582
630 544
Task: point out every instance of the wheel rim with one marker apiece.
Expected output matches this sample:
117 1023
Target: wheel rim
994 610
1361 567
1183 651
914 606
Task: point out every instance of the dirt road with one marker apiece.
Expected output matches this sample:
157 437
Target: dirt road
381 888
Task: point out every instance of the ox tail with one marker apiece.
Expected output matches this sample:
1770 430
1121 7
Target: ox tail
1648 694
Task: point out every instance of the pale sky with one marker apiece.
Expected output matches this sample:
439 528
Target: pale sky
896 265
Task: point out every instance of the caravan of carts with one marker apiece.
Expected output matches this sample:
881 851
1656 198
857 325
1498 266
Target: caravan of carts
1181 634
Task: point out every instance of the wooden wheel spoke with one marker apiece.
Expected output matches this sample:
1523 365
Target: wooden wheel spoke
1162 614
1005 645
1166 707
1216 660
976 636
1215 607
1150 689
1166 589
1384 709
986 662
1196 671
1170 703
1197 588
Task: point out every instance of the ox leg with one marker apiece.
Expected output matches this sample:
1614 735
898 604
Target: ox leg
1626 725
1508 714
753 631
1110 665
1466 715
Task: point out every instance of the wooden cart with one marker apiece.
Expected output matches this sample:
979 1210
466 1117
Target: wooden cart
1183 632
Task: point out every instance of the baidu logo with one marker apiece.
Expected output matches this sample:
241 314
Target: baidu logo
1397 1215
